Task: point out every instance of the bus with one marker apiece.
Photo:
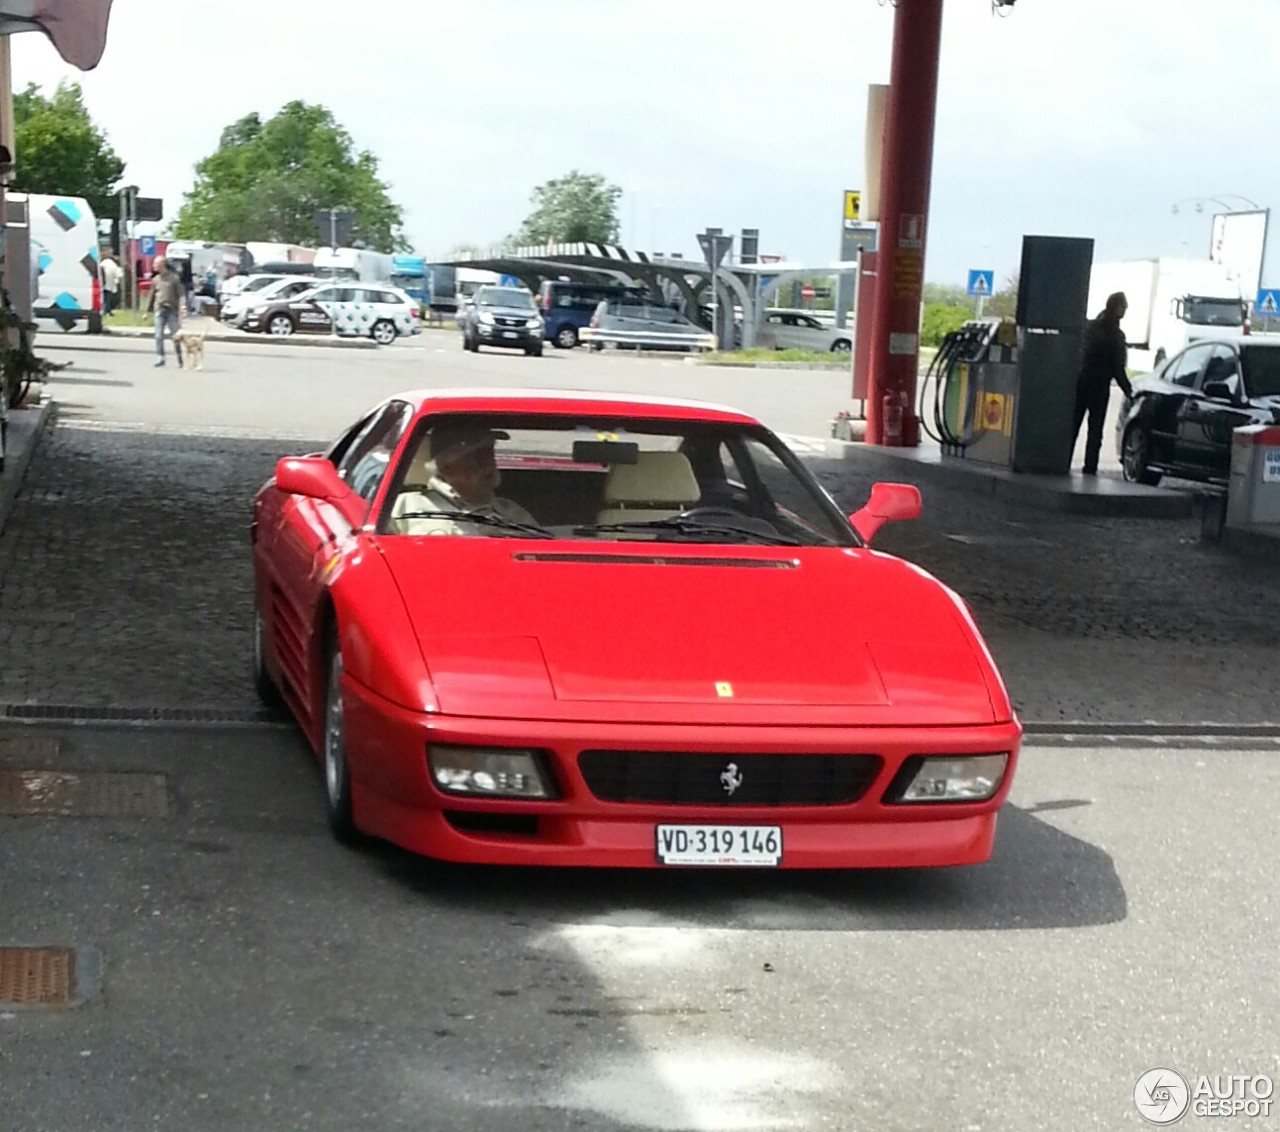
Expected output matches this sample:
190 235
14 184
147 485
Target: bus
567 306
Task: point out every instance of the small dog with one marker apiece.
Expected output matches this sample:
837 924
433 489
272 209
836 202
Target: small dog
190 346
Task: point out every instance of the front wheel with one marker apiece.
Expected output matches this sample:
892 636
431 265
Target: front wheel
383 332
1136 457
566 337
337 776
535 351
281 325
841 346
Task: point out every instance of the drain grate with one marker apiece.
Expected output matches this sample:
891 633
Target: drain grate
36 976
78 713
49 793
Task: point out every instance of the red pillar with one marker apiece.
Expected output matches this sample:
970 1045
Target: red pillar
904 207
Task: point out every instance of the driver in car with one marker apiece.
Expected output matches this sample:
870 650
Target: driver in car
465 483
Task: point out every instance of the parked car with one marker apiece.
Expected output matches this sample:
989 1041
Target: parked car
567 307
506 317
797 330
688 655
640 325
236 309
1180 418
236 286
381 312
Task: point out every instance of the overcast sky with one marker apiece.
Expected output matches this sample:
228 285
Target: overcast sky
1065 117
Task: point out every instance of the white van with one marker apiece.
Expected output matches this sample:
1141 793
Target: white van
64 252
356 264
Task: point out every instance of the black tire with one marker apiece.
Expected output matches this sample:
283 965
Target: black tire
566 337
535 351
384 332
841 346
337 776
279 326
1136 457
469 343
266 688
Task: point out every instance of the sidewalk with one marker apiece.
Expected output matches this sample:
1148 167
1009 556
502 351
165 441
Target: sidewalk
213 329
23 435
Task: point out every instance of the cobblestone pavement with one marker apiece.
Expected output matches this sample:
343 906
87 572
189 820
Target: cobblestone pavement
125 580
1111 619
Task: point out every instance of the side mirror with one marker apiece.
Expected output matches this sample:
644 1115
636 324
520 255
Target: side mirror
1228 390
312 476
889 503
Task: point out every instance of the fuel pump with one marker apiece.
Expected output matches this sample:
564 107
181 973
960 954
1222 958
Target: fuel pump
1004 393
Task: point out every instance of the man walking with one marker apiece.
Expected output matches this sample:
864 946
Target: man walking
1104 356
166 301
110 273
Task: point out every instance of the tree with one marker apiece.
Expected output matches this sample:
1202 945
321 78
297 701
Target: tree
59 150
578 207
1004 303
266 181
939 320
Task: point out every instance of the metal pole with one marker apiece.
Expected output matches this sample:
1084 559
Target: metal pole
333 247
904 205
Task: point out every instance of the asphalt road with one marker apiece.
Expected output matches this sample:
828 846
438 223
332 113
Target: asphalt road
256 975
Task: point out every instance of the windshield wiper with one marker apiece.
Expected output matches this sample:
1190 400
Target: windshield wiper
477 517
688 527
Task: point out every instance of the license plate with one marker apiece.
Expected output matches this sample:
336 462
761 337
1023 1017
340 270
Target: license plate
509 334
720 844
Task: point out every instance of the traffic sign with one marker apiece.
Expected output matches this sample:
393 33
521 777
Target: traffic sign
1268 304
807 292
981 284
853 204
508 281
146 245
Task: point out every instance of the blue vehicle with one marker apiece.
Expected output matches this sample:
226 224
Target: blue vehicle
410 274
568 306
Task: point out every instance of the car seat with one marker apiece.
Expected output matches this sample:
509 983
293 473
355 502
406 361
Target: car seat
659 485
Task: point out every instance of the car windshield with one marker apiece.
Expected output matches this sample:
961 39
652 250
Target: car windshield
609 479
504 297
1214 312
1261 370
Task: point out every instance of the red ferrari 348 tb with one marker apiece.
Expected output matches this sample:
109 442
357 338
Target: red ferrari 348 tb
577 629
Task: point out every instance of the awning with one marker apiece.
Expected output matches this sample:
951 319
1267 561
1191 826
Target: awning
78 28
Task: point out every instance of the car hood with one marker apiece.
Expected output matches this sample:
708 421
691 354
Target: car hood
539 629
509 312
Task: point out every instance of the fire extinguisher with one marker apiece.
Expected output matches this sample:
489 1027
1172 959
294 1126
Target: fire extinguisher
894 407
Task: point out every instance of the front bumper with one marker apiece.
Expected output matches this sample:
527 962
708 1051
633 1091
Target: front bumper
395 798
513 337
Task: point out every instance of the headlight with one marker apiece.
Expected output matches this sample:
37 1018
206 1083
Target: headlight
534 324
487 772
486 318
951 778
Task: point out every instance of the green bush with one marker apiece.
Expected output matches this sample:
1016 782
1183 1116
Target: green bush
940 319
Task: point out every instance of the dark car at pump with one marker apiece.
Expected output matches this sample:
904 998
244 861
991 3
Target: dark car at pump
1181 417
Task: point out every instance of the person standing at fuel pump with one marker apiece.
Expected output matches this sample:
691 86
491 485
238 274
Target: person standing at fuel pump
1104 357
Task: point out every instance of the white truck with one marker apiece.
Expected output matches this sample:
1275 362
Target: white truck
1172 302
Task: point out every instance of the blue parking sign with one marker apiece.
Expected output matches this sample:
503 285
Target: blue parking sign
146 245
